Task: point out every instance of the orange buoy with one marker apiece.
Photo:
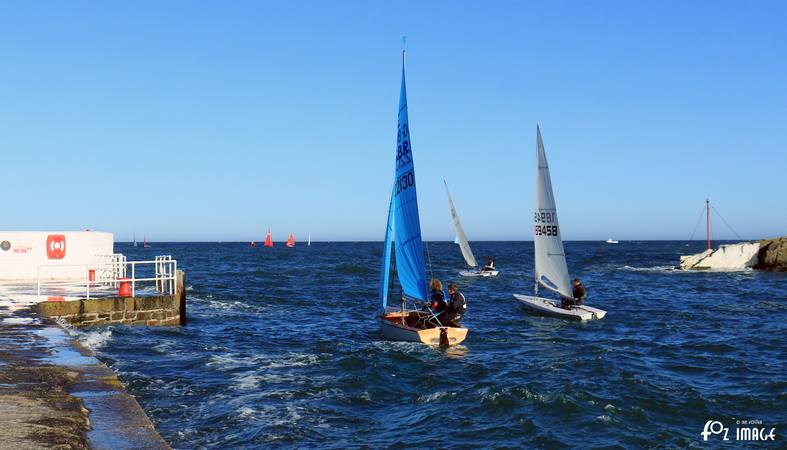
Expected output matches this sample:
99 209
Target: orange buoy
125 287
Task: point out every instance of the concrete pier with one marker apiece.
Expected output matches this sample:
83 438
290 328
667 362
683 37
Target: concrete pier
54 393
160 309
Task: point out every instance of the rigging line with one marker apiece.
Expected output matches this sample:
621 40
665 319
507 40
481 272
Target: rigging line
429 258
725 222
698 223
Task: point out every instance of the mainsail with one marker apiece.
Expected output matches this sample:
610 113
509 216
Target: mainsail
291 241
550 259
268 240
461 239
407 229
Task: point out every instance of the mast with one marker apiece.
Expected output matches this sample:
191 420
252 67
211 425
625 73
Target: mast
707 212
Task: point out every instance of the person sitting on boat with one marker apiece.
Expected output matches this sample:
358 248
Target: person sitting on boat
456 306
490 265
437 297
578 292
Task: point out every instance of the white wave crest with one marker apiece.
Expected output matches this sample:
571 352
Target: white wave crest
95 339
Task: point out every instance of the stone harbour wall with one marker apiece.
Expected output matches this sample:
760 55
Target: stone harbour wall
154 310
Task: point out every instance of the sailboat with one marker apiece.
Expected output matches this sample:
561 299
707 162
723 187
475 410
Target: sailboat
135 239
268 240
290 241
309 242
145 242
551 270
612 241
404 323
461 239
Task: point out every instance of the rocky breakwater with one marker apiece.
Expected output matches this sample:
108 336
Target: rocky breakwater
772 255
768 254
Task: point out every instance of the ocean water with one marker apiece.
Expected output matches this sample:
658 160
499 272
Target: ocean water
282 350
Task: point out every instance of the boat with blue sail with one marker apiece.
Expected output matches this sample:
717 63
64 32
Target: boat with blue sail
410 320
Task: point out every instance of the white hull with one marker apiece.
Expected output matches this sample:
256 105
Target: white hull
478 274
393 329
553 308
611 241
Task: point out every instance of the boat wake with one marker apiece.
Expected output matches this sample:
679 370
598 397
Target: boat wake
674 269
650 269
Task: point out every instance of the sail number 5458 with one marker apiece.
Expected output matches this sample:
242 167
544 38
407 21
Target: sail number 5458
405 181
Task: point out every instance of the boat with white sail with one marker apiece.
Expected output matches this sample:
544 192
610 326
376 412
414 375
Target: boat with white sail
464 245
409 321
551 270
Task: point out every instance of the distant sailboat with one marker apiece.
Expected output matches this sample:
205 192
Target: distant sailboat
291 241
309 242
612 241
145 242
135 239
550 260
461 239
268 240
405 323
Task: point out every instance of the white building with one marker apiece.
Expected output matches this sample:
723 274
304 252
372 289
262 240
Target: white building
26 255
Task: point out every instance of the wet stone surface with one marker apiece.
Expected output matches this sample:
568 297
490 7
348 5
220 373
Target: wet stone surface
56 394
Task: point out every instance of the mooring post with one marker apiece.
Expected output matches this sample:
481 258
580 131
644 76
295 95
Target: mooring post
181 293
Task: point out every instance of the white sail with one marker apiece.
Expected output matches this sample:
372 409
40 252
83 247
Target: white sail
550 259
460 233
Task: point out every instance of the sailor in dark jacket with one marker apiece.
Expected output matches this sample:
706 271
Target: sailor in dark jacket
456 306
578 293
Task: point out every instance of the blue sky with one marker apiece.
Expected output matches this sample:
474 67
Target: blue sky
216 120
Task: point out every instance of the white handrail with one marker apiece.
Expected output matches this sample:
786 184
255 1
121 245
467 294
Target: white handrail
113 273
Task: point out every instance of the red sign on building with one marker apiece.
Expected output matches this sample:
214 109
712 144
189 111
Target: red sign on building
55 246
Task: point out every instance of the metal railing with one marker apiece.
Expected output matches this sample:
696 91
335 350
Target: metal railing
100 279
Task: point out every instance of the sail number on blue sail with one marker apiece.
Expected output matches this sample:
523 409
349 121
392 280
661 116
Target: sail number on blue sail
546 230
403 158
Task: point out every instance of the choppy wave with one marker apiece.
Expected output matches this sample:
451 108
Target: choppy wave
289 355
96 339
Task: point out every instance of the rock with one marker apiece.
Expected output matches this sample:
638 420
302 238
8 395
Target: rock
727 257
773 255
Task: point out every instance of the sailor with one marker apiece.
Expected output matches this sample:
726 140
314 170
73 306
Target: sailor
437 297
490 265
456 306
578 293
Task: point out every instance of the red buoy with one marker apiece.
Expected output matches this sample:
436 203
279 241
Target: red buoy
125 287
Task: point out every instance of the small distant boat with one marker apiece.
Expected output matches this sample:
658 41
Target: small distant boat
612 241
268 240
550 258
145 242
291 241
252 244
135 239
309 242
408 323
461 239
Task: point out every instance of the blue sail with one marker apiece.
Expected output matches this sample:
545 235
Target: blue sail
386 269
407 230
